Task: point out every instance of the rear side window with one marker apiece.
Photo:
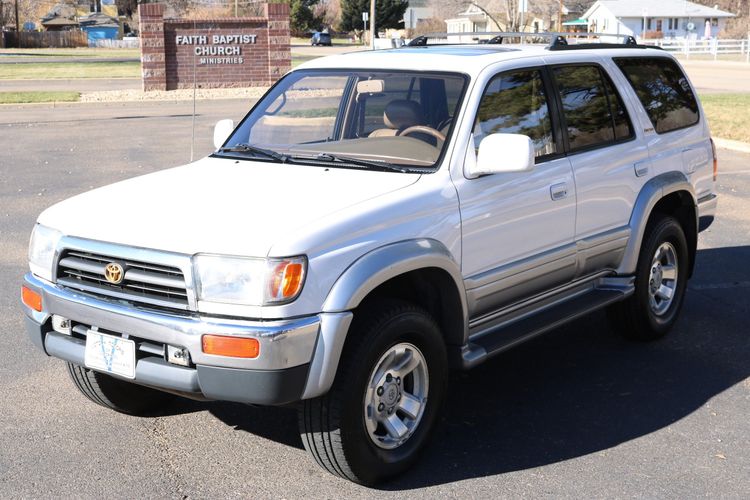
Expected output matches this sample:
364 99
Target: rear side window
593 111
663 90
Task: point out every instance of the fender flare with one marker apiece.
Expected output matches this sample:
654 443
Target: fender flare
355 283
654 190
378 266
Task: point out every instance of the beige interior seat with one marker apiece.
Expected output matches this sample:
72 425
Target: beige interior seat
399 115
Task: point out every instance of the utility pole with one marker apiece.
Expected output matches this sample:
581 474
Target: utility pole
559 17
18 23
372 24
235 8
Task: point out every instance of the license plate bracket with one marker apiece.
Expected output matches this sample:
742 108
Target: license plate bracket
110 354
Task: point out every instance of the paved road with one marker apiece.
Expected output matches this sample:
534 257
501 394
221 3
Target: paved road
578 413
718 76
70 84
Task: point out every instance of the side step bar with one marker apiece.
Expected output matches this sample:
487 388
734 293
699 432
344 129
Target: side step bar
536 319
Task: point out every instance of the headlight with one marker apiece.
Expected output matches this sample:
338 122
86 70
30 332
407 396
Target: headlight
42 248
248 281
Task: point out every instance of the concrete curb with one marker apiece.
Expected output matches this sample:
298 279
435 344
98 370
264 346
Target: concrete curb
742 147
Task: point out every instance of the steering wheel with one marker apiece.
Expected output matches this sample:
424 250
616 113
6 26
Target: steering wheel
423 129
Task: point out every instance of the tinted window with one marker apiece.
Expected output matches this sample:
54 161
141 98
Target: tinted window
663 90
515 103
593 111
623 128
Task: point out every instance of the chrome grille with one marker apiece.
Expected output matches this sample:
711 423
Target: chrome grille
143 283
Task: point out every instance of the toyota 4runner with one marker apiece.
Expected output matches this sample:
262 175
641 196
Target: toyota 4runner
377 219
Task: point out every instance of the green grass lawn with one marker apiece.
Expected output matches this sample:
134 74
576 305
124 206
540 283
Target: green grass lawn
27 97
297 59
44 71
728 115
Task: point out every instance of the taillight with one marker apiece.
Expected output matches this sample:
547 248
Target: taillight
716 159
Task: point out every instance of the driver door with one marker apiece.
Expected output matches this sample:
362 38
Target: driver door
517 228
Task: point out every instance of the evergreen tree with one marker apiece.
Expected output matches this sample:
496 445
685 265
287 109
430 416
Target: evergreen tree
388 13
301 17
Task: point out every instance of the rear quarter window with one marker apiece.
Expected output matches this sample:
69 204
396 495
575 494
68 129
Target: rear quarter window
664 91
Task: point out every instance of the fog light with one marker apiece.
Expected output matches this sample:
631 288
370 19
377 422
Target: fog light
60 324
178 355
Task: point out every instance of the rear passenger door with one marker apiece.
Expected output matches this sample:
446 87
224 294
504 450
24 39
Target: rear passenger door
607 157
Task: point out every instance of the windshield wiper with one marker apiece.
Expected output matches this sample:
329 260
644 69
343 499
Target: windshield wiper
361 163
249 148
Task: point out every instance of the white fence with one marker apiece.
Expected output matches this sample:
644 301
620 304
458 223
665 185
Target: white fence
127 43
713 47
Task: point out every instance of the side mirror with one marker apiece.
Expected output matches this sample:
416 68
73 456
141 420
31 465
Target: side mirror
499 153
222 129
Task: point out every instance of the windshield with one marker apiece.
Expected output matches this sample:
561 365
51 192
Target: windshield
363 118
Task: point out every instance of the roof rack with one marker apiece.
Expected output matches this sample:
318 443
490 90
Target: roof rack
557 40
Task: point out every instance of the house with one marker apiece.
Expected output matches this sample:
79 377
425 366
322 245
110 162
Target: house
60 18
477 19
418 10
99 26
472 19
656 19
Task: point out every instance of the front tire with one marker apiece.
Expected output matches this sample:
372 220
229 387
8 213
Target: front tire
660 282
385 399
119 395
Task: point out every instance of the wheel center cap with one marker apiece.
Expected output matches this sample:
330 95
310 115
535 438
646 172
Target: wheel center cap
657 277
391 395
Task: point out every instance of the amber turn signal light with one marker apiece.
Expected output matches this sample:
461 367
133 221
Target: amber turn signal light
31 299
716 160
287 280
235 347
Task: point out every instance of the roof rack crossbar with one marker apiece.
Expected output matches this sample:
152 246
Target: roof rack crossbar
557 40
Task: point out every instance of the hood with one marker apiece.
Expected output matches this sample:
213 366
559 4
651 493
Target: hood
217 205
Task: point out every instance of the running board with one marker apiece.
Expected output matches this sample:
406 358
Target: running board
535 319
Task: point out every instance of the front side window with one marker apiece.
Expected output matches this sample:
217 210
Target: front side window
352 118
516 103
593 111
664 91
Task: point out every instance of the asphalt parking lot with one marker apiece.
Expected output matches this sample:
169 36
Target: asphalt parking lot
578 413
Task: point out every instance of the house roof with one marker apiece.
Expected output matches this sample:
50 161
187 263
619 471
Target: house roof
662 8
59 21
61 11
98 19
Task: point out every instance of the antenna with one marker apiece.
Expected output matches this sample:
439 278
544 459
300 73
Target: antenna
192 138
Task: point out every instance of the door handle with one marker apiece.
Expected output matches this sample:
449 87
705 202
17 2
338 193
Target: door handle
558 191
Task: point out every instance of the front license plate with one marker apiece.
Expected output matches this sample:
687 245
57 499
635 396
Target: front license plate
110 354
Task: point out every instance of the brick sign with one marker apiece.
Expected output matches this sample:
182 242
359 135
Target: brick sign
223 52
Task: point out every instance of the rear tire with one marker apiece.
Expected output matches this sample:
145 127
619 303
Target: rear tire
118 395
385 399
660 282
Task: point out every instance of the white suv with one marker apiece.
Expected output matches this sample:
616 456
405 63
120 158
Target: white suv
375 220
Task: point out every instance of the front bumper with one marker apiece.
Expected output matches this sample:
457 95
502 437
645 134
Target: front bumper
277 376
